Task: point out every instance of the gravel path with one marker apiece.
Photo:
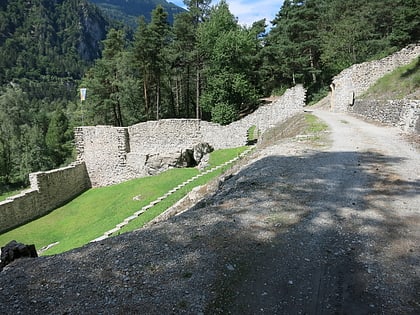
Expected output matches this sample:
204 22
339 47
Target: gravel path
306 226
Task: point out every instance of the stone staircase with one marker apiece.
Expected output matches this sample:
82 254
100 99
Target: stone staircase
138 213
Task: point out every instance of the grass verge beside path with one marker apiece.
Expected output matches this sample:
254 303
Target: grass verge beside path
100 209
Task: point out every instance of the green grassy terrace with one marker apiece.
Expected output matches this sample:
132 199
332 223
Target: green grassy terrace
398 84
100 209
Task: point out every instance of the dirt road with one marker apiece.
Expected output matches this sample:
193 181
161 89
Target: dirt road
352 243
308 225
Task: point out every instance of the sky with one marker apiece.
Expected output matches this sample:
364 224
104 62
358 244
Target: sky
249 11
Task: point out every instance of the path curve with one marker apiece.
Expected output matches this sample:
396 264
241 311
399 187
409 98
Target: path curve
305 227
355 249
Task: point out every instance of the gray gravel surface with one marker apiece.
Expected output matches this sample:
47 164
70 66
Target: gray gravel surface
305 226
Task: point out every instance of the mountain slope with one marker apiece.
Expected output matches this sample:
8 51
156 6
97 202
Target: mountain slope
128 11
45 48
48 37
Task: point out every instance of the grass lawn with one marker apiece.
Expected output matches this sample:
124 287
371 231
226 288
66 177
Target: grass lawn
100 209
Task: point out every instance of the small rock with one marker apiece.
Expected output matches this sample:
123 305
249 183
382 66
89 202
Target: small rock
15 250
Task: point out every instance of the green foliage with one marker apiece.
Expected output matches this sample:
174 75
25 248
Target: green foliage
129 11
104 82
58 138
45 47
311 41
227 49
204 66
223 113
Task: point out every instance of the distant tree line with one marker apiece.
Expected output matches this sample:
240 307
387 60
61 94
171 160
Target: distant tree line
208 66
46 46
205 65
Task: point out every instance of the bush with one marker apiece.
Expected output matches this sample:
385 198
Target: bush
223 113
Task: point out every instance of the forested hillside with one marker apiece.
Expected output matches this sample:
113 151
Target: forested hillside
204 65
45 48
314 40
129 11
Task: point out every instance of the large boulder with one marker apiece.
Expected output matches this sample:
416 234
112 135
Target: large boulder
190 157
15 250
201 150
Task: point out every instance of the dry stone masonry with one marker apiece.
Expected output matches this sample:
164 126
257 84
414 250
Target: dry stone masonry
354 81
113 155
109 155
404 114
48 191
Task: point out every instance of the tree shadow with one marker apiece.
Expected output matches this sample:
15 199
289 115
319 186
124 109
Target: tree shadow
310 234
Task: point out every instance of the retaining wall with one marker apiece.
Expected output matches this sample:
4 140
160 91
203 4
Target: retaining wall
404 114
109 155
113 155
48 191
354 81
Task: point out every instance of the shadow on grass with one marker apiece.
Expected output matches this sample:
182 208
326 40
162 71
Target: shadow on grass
412 70
302 234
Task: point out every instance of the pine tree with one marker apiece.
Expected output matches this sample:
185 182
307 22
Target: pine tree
159 40
58 138
103 82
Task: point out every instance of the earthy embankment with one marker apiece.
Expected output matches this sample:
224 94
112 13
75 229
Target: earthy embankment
324 224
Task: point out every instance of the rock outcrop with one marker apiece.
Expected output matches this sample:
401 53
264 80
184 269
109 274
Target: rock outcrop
15 250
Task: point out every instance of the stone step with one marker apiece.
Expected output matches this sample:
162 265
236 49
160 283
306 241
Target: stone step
110 232
100 238
138 213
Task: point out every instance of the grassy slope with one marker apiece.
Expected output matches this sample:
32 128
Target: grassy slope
100 209
403 82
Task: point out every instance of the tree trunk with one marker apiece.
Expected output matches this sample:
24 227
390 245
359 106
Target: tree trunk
197 105
187 98
177 92
157 98
146 96
311 58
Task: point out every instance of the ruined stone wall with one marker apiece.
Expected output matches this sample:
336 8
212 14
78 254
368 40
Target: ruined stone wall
404 114
354 81
114 155
265 117
48 191
167 135
105 148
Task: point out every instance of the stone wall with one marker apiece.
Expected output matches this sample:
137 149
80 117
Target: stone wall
354 81
113 155
48 191
106 148
404 114
109 155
